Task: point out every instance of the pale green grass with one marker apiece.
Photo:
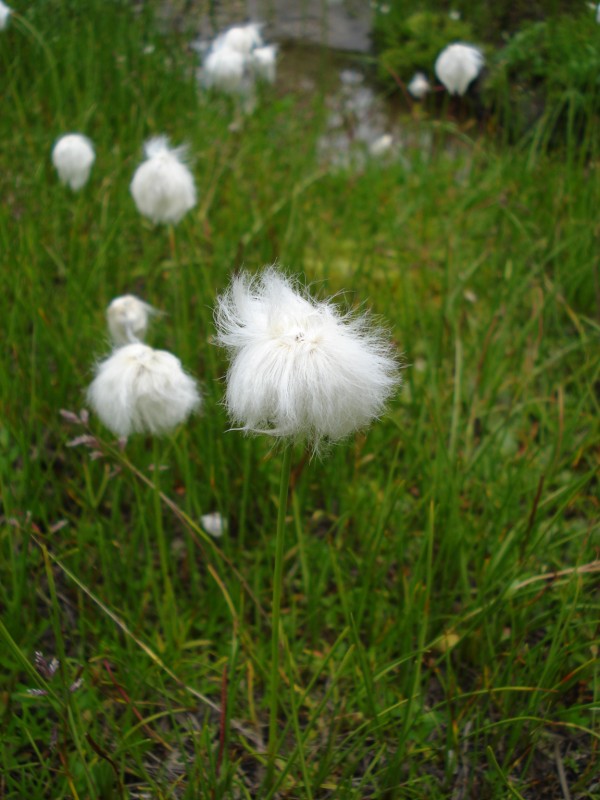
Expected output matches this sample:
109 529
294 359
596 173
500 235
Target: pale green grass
430 651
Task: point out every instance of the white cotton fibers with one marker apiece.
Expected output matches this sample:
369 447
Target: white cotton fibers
237 59
163 187
73 156
214 524
299 368
127 318
458 65
5 12
141 390
224 70
263 62
419 86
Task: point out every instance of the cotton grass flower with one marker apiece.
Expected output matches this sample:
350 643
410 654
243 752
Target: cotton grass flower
128 318
263 61
419 86
214 524
163 187
224 70
300 370
458 65
242 39
73 156
236 59
5 12
141 390
381 146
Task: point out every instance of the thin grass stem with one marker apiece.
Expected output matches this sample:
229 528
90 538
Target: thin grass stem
160 531
286 468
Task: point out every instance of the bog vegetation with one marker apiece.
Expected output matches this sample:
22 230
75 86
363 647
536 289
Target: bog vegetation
438 617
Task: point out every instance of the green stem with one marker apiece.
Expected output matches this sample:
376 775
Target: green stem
23 22
245 494
286 467
160 531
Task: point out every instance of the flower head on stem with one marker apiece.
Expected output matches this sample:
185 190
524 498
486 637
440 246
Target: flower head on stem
300 371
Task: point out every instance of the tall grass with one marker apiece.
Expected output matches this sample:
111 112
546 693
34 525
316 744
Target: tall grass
439 570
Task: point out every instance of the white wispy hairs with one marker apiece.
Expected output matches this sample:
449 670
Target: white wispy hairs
73 156
458 65
128 318
224 70
300 369
381 145
237 58
214 524
162 186
141 390
263 61
5 12
418 86
241 38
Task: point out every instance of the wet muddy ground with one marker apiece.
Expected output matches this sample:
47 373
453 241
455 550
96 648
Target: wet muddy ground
340 24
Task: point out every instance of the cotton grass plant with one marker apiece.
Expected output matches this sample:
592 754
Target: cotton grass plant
73 157
163 186
138 389
236 60
300 371
458 65
224 70
419 87
141 390
303 373
242 39
127 318
263 62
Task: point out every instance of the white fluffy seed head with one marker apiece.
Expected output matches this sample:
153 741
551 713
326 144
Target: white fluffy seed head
241 38
418 86
458 65
163 187
5 12
127 319
214 524
263 62
224 70
141 390
73 156
299 369
236 59
382 145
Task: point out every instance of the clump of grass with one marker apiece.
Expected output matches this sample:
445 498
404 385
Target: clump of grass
545 82
440 570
